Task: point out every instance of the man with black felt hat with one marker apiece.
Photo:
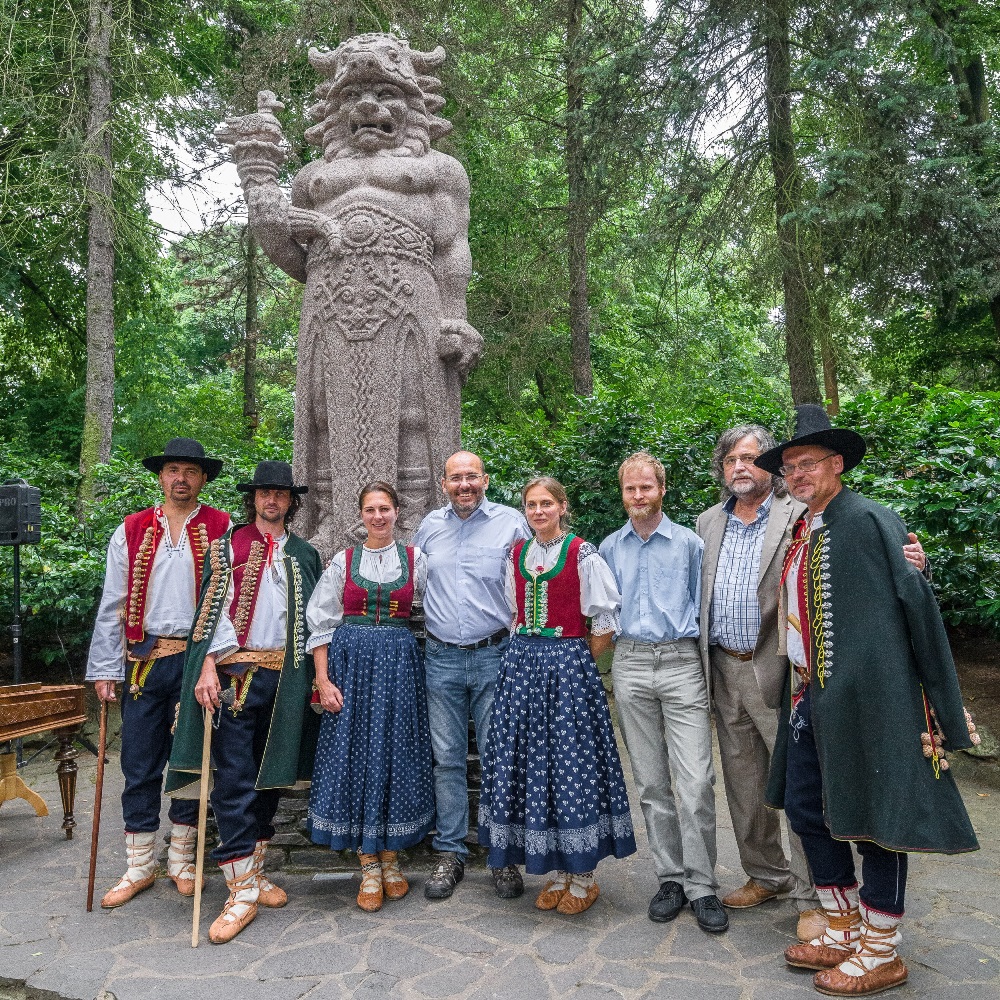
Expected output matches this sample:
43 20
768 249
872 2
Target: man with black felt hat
250 636
857 757
154 568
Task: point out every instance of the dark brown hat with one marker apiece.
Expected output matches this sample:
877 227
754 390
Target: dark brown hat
272 476
812 426
184 450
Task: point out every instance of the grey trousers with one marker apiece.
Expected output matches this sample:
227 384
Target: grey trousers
747 728
662 702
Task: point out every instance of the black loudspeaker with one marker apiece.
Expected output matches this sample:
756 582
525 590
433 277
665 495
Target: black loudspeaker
20 513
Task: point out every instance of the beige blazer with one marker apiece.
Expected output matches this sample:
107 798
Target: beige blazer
769 666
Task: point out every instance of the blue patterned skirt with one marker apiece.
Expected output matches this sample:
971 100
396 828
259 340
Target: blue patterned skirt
372 787
553 795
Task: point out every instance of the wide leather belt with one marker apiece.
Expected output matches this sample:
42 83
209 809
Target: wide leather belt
162 647
490 640
742 657
269 659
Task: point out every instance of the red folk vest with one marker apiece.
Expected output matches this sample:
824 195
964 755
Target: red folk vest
250 557
549 604
143 533
370 603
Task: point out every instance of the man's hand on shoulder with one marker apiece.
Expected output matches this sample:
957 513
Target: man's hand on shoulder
914 552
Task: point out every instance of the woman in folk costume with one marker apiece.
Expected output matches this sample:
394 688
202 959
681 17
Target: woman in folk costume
372 788
553 795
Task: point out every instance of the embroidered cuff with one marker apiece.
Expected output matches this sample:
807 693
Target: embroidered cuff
604 623
318 639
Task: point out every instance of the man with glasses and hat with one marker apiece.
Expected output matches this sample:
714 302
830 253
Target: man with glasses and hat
872 684
154 569
249 637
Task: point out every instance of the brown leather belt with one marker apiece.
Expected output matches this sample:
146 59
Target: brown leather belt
742 657
162 647
269 659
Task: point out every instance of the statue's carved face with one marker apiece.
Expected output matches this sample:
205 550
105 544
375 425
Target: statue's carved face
374 113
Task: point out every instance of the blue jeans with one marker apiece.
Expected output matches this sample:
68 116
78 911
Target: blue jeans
460 684
147 718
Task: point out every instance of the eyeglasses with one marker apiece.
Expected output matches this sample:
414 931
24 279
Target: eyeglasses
806 465
730 460
458 480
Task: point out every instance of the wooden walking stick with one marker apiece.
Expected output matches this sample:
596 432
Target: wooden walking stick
95 830
199 862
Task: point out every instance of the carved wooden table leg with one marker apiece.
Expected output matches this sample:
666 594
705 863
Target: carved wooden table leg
66 771
12 787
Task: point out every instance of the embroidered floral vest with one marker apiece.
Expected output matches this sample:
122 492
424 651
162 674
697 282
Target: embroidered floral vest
549 604
143 533
370 603
250 556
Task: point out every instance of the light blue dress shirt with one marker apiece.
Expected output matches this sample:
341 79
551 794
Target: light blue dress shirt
659 580
466 568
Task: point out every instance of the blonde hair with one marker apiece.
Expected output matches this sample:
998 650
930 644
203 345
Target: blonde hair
643 458
552 487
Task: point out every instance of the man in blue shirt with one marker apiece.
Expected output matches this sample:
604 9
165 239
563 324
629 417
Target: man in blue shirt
468 628
662 694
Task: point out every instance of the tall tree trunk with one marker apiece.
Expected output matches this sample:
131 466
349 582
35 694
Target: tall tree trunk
799 348
576 208
829 355
100 398
251 327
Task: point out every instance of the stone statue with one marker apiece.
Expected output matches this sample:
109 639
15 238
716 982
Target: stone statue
377 228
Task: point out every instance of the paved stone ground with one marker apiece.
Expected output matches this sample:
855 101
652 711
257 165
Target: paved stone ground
321 946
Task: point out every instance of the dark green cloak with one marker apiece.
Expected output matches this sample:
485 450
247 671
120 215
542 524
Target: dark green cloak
291 740
877 634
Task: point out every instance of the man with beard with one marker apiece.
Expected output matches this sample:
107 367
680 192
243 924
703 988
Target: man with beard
661 691
250 634
154 568
745 538
468 627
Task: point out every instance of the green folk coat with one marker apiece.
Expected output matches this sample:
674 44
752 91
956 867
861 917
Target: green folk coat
291 740
876 630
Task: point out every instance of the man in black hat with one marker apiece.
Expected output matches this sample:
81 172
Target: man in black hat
250 636
870 667
154 568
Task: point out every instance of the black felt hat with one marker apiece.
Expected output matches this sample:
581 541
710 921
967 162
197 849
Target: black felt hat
272 476
812 426
184 450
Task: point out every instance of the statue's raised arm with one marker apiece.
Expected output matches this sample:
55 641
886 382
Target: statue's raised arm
378 229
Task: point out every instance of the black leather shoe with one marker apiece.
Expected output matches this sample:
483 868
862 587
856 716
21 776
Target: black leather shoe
508 882
448 872
710 914
667 902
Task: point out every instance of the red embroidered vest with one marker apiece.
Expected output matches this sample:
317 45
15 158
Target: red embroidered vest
370 603
250 557
549 604
143 532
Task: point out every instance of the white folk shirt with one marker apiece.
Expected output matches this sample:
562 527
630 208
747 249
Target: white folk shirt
795 646
268 629
599 597
326 606
170 599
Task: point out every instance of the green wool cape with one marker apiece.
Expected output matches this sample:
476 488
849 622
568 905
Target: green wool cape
291 739
877 638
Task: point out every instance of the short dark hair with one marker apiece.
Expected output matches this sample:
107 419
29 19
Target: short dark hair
250 508
378 487
729 439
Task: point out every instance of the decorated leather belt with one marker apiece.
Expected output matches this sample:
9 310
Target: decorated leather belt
742 657
490 640
269 659
162 647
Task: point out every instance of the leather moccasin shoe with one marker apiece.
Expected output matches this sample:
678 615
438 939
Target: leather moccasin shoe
710 914
751 894
507 882
834 983
571 903
815 956
811 924
448 872
552 892
667 903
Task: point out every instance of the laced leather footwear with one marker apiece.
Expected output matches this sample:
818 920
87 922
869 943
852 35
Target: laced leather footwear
838 940
140 873
751 894
371 891
268 894
180 857
667 903
875 967
811 924
394 882
553 891
241 907
710 914
448 872
507 882
581 895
